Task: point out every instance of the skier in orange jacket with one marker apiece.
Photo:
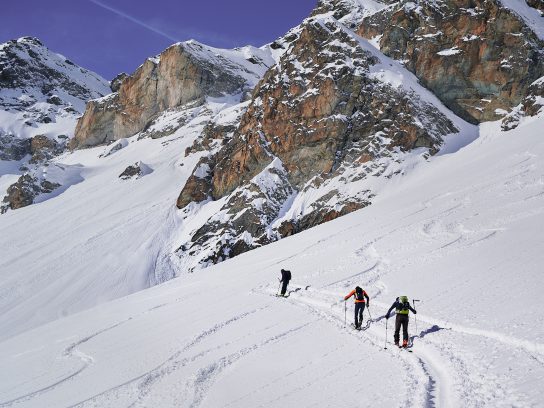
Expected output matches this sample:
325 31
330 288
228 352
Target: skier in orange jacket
360 302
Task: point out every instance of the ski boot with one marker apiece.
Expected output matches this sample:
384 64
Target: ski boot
405 344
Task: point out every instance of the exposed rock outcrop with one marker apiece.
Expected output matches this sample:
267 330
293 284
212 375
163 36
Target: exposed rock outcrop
24 191
135 171
477 56
537 4
117 81
42 148
185 73
324 116
532 105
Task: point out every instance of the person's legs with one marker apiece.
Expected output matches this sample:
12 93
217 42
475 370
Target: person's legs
361 310
356 315
398 321
284 287
405 330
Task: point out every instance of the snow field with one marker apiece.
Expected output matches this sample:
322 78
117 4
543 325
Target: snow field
461 232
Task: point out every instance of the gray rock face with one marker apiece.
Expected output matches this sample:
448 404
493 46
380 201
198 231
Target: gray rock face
117 81
135 171
13 148
185 73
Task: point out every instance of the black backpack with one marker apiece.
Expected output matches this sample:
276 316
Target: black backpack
285 275
359 293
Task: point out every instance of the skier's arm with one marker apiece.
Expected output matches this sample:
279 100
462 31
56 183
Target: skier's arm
367 298
412 309
349 295
390 309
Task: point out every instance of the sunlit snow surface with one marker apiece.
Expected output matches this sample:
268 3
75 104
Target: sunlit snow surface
462 232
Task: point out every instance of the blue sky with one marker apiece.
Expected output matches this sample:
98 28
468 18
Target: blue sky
112 36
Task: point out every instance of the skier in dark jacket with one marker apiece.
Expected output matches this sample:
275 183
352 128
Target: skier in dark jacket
402 308
285 278
359 296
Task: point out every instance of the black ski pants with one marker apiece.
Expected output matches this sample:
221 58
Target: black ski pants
401 320
359 309
284 287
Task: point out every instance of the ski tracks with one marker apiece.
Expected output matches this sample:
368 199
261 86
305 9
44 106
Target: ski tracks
70 352
161 381
442 371
418 375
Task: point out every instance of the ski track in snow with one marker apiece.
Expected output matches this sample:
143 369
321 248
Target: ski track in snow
69 352
145 381
206 376
424 382
445 378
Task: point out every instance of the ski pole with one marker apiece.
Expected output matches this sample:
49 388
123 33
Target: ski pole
415 316
345 312
279 286
368 308
385 346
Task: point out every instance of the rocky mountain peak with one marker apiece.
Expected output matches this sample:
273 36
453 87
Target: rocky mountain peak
41 95
30 73
185 73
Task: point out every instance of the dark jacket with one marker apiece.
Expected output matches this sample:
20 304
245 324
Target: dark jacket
397 304
285 275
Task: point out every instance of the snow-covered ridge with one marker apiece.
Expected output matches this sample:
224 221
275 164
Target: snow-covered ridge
31 73
41 96
42 92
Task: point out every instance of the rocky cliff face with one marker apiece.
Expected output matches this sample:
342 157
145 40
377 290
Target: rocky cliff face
185 73
312 126
478 57
334 114
327 116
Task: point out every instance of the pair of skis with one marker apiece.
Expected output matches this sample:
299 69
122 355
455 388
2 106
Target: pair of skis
292 291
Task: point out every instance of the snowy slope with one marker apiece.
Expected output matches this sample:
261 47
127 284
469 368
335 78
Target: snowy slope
463 233
129 223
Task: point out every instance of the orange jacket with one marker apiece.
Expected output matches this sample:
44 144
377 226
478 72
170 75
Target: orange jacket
352 293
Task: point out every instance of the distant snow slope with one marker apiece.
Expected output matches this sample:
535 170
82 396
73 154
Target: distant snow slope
103 237
462 233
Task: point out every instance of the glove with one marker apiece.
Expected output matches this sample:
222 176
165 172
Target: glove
415 311
387 316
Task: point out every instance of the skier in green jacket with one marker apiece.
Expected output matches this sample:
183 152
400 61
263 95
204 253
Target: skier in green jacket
402 308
